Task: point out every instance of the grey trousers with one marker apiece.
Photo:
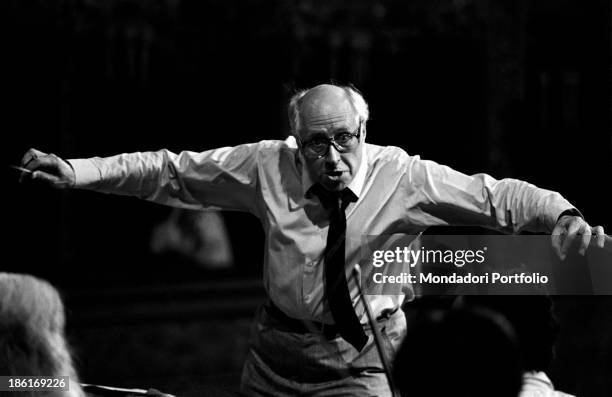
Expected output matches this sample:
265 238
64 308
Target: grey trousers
282 363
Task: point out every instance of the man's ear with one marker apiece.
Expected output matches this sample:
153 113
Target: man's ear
297 140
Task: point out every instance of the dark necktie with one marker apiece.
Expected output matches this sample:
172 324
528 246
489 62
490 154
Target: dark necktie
336 286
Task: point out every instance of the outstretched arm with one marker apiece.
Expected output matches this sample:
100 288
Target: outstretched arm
451 197
224 178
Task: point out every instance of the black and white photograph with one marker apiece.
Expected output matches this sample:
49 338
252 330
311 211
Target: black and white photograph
380 198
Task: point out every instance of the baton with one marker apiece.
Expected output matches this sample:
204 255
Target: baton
18 168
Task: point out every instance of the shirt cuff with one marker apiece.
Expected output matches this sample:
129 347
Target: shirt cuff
572 212
552 208
560 210
85 172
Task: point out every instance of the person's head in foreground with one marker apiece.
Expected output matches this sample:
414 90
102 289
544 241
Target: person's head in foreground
532 319
32 341
329 123
461 353
536 329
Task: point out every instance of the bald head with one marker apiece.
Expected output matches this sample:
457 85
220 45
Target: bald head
324 114
324 103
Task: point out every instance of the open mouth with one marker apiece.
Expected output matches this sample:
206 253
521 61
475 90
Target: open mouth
334 173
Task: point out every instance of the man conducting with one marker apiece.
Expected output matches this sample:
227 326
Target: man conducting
316 194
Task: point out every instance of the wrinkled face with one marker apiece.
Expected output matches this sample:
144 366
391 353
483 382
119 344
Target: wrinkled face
326 112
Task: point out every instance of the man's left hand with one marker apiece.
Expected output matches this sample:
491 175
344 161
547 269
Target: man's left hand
570 229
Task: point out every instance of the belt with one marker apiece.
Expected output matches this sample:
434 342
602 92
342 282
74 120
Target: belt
286 323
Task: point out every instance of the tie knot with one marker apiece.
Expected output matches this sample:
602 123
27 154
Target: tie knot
347 196
331 199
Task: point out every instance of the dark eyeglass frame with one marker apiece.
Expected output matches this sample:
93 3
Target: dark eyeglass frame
330 141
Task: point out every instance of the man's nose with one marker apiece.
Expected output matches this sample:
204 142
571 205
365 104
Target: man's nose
333 156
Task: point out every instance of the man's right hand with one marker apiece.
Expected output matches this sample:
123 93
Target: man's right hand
48 169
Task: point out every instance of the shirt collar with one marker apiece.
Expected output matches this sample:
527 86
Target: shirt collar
356 184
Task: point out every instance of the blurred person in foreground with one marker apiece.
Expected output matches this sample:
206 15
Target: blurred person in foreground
460 353
536 328
32 341
32 338
317 194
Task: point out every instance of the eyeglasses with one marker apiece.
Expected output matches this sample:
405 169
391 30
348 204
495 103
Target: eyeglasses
319 146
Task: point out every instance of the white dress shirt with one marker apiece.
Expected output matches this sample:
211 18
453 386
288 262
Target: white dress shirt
397 193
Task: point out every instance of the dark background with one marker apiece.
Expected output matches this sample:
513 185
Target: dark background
512 88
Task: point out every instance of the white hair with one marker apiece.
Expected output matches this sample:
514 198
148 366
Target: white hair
355 97
32 340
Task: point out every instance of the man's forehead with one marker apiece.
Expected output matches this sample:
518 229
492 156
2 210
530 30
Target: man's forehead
326 105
